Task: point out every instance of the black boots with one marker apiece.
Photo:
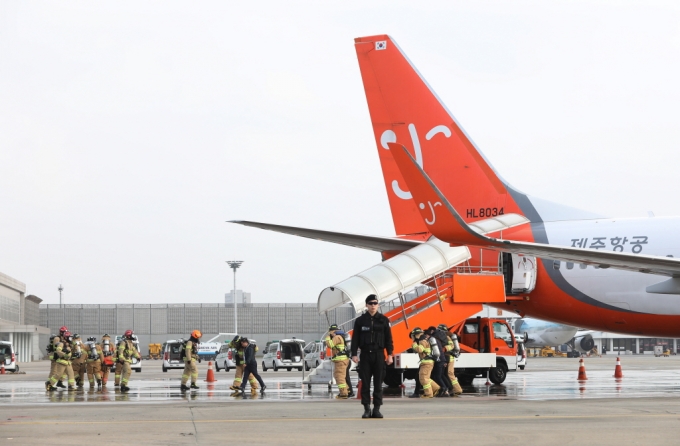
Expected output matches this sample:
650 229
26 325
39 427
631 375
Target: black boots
376 412
367 411
183 387
262 389
193 386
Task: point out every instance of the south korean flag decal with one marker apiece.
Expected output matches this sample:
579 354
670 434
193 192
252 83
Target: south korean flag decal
381 45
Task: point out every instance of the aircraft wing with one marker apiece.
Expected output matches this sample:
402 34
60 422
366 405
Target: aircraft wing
445 223
373 243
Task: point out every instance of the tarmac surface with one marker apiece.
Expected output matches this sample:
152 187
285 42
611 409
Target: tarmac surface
544 404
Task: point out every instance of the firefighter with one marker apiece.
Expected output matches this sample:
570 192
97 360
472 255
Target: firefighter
78 360
107 360
190 357
239 362
340 360
93 359
250 372
54 340
62 353
452 352
421 345
125 352
372 333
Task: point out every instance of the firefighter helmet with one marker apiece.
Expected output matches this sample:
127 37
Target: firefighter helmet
129 333
63 330
196 334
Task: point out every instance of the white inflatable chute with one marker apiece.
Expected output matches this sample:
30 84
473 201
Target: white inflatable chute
391 276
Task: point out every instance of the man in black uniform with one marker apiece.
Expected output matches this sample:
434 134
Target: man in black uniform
373 335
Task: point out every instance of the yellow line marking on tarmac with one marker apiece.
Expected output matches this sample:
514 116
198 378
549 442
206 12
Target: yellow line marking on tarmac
288 420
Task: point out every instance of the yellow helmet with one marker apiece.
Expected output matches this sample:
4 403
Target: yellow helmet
196 334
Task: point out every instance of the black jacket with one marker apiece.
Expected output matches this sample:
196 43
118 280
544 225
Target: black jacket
249 354
372 332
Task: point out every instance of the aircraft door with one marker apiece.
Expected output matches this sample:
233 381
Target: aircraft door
520 273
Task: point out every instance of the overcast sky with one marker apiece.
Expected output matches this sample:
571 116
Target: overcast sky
131 131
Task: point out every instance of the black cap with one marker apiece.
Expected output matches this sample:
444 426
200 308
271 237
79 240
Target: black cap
333 327
371 297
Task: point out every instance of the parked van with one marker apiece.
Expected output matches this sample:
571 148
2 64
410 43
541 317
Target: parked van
315 353
7 357
284 354
225 358
172 358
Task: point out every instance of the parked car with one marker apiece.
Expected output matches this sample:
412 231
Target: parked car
315 353
171 355
284 354
225 358
7 357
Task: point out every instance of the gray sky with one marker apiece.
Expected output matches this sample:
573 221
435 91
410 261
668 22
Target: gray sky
131 131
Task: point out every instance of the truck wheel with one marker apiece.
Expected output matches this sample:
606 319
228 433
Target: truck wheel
392 378
217 366
465 380
521 367
307 367
226 366
276 369
165 370
498 374
289 368
264 367
138 370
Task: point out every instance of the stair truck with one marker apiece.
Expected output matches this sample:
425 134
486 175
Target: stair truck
456 291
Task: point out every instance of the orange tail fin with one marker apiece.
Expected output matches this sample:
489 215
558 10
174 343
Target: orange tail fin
404 109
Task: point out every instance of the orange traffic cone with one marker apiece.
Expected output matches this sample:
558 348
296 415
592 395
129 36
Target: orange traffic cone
618 373
359 390
581 371
211 374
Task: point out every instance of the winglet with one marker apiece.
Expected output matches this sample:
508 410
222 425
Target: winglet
441 218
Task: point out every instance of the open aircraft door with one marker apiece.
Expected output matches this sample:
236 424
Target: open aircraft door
520 273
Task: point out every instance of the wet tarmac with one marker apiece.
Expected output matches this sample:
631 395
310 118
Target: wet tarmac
544 379
543 404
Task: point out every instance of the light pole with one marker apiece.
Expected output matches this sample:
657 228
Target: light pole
234 264
61 288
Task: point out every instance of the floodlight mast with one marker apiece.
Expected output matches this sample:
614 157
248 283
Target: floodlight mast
234 264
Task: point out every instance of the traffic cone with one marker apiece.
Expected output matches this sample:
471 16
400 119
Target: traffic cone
359 390
582 371
618 373
211 374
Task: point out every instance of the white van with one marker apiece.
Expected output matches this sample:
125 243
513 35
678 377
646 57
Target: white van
284 354
315 353
172 358
7 357
225 358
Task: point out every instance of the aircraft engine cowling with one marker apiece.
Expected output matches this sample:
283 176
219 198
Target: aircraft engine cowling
585 343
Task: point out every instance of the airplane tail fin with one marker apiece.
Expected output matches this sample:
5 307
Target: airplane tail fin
406 110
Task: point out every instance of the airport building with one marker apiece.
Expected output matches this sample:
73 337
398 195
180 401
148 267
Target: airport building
20 320
241 297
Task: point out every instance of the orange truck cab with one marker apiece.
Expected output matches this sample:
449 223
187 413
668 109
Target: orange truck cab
486 335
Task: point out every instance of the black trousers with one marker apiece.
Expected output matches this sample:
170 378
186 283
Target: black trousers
348 380
251 368
372 365
440 377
